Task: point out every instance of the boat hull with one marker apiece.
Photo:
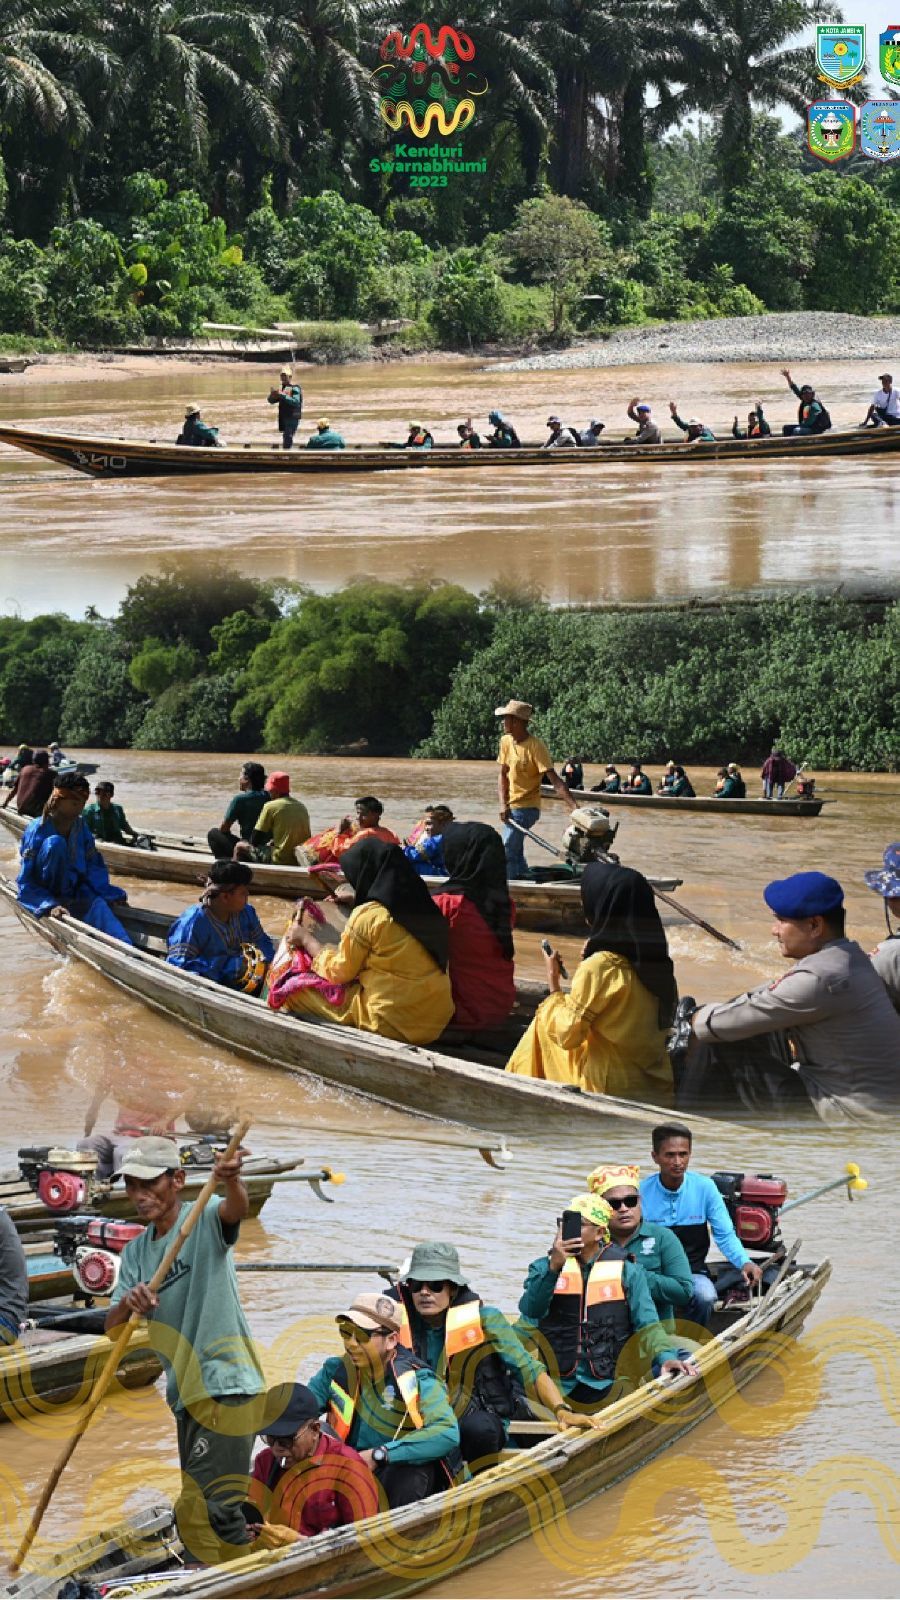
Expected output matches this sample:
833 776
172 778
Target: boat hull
23 1205
102 456
405 1551
790 807
47 1370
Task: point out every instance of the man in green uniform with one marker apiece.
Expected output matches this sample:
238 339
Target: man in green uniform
195 431
388 1405
106 820
655 1247
198 1329
325 437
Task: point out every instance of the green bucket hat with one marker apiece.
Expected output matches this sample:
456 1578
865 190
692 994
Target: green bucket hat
434 1262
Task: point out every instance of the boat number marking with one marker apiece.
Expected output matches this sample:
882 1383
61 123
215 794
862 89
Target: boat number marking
91 458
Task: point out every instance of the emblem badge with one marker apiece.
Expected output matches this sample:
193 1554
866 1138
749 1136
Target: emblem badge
879 130
889 53
648 1246
840 54
831 129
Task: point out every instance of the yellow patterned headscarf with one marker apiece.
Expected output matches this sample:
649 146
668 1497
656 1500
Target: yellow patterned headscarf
602 1179
592 1209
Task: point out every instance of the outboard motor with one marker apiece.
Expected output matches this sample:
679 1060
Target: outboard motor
754 1202
589 835
203 1151
806 788
61 1178
93 1247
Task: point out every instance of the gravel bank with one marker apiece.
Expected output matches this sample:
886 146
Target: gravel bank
781 337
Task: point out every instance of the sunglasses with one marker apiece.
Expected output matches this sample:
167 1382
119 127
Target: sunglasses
349 1330
416 1285
282 1441
625 1201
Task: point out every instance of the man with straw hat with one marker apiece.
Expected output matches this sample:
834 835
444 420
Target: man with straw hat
195 431
583 1301
288 397
524 762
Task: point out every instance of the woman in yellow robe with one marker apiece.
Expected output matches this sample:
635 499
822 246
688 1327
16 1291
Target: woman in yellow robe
392 957
608 1035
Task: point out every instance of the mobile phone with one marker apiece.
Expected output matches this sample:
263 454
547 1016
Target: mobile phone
570 1227
548 950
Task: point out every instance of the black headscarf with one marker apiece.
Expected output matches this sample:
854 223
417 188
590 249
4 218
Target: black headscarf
619 905
476 863
380 871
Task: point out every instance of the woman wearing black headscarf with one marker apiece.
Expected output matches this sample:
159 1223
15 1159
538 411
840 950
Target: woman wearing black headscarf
475 901
393 953
608 1035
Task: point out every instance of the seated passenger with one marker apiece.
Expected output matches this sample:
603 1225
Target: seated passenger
281 827
612 782
387 1405
681 786
885 880
305 1481
637 781
647 431
243 808
590 435
325 437
504 436
757 426
475 901
560 437
419 438
222 938
572 773
473 1350
32 786
424 847
608 1035
693 428
13 1281
62 869
656 1248
106 820
668 778
392 957
195 431
328 847
581 1304
468 438
729 783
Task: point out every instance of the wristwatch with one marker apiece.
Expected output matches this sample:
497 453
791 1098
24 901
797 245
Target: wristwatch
379 1455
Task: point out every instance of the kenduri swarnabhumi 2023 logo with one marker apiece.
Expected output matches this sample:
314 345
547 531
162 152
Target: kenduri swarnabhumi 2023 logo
428 85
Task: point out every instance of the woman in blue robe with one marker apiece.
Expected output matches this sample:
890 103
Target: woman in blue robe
62 869
210 937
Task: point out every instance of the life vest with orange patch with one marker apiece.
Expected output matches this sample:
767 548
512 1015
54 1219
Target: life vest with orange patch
403 1369
481 1379
589 1317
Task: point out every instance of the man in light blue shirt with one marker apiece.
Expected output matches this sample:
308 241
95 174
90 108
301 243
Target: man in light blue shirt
691 1205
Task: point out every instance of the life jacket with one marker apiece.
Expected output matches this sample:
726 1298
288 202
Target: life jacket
480 1380
694 1236
821 419
419 439
404 1368
589 1318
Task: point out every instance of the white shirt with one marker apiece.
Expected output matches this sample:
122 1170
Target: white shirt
889 402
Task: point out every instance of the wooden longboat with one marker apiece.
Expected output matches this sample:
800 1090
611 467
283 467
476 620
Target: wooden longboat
791 806
48 1368
104 456
461 1080
528 1492
552 907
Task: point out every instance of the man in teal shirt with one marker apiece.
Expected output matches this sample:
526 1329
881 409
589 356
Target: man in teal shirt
198 1330
325 437
388 1405
106 820
243 809
586 1301
656 1248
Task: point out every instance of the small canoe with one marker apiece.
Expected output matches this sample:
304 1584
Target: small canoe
460 1077
530 1492
49 1368
104 456
552 907
790 807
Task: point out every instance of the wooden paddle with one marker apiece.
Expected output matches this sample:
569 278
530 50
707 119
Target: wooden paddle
119 1343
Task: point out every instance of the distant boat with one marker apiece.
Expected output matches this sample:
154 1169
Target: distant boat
789 807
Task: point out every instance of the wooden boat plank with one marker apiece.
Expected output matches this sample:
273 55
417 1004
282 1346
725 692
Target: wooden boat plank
46 1369
758 807
408 1076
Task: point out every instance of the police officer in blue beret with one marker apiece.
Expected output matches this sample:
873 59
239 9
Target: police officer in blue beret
833 1035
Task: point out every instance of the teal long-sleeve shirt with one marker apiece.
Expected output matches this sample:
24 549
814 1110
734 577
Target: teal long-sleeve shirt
662 1256
537 1297
380 1411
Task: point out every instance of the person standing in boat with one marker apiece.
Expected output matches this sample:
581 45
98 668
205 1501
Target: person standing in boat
221 938
62 869
525 763
197 1327
647 431
757 426
106 820
655 1247
195 431
32 786
885 880
325 437
811 414
582 1303
13 1281
608 1035
288 397
777 772
475 902
243 808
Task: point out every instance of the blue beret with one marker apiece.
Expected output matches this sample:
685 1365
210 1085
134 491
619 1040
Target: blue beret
805 894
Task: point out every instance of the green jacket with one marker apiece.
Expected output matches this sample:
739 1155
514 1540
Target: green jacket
380 1412
326 440
661 1254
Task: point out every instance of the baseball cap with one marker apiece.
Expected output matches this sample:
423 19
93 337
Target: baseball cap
293 1405
150 1158
373 1311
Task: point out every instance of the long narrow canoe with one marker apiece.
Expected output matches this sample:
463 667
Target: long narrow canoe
554 907
437 1083
530 1492
789 807
102 456
48 1368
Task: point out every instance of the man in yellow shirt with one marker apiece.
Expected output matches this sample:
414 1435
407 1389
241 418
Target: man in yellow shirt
281 826
524 762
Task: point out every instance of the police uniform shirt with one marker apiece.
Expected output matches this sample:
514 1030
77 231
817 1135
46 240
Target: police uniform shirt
886 961
840 1020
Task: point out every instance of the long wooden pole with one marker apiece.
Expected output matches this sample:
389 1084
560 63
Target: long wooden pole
119 1345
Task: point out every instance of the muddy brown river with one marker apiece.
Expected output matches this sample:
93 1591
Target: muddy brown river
793 1490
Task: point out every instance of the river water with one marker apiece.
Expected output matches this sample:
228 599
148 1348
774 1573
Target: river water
631 532
796 1495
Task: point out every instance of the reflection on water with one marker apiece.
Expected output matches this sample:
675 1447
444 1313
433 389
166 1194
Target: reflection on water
791 1507
631 532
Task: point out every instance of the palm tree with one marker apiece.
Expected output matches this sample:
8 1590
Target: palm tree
41 46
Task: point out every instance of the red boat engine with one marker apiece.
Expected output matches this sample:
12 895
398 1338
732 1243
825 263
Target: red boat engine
60 1178
97 1262
754 1202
